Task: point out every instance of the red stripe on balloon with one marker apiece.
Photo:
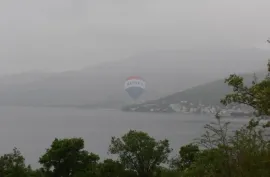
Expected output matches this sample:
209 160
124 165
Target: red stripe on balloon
134 77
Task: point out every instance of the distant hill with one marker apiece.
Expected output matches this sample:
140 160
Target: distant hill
166 72
23 78
208 94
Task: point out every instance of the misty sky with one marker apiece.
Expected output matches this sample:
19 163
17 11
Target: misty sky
57 35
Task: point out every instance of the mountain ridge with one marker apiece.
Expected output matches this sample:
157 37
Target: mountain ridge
103 86
208 94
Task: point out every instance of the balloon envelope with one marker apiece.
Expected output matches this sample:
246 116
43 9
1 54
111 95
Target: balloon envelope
134 86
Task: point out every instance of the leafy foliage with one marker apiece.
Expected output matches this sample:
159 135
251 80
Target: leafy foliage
66 158
246 152
111 168
139 152
12 165
257 96
187 156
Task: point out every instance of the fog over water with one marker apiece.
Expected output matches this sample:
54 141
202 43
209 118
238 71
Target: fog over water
33 129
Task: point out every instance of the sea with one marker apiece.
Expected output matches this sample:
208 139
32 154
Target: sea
32 129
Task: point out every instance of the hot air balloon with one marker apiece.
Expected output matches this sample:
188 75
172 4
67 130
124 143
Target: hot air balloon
134 86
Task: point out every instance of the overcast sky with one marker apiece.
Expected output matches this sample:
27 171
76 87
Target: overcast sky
57 35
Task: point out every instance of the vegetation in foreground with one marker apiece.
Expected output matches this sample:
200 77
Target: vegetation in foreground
218 153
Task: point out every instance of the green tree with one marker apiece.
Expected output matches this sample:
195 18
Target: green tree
66 158
257 96
139 152
13 165
166 172
111 168
39 173
245 152
187 156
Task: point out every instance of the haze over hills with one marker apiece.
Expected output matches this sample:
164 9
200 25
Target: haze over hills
165 72
23 78
208 94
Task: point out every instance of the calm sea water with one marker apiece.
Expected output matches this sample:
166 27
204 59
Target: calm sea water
33 129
